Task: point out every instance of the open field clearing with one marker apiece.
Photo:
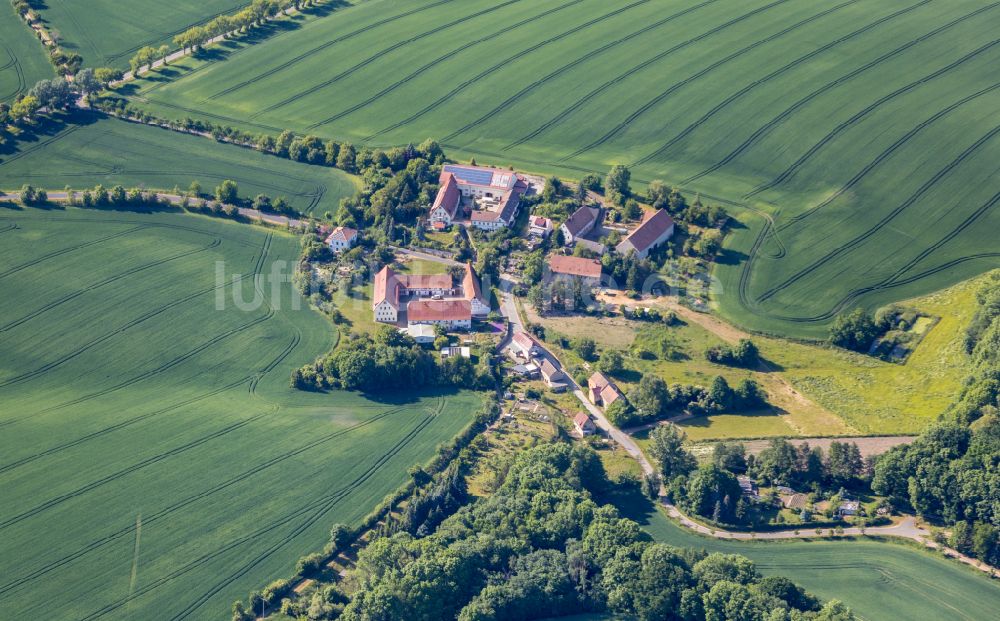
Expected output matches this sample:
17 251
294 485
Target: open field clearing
111 152
879 581
108 33
856 141
155 463
22 57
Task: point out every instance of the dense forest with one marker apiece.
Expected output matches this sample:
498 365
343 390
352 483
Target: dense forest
541 546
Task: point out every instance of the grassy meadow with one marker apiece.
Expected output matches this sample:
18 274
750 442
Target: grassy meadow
22 57
155 463
83 150
854 141
879 581
845 393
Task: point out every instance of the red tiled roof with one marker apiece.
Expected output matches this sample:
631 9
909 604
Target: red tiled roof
598 381
470 285
582 420
386 283
540 222
652 227
448 196
575 266
425 281
581 219
342 233
439 310
610 394
524 340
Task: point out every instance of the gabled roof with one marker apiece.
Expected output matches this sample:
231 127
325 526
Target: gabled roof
425 281
524 340
470 285
439 310
610 394
575 266
482 176
448 196
582 218
651 229
600 384
582 421
549 370
386 285
540 222
342 233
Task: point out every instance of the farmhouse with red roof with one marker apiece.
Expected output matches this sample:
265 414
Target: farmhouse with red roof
586 270
450 306
656 228
494 193
602 390
342 238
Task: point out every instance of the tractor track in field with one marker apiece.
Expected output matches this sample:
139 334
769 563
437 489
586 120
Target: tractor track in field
117 426
176 227
301 528
835 132
622 125
149 461
886 219
40 145
383 52
10 227
500 65
177 506
296 339
313 512
106 281
440 59
198 112
323 46
154 312
829 86
770 76
895 279
541 81
889 151
68 249
16 64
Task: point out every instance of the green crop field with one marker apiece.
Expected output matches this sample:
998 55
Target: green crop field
880 581
856 141
155 463
22 57
110 152
108 33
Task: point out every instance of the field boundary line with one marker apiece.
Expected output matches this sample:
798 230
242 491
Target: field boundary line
890 150
440 59
107 539
793 168
516 96
863 237
777 72
829 86
395 46
622 125
537 46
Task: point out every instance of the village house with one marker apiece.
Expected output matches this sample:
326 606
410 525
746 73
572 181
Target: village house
456 352
494 193
529 370
341 239
525 346
602 391
579 224
748 486
451 314
421 334
656 228
552 376
448 306
584 426
576 268
539 226
848 508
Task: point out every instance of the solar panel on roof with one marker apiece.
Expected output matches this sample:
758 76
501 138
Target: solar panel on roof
471 175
